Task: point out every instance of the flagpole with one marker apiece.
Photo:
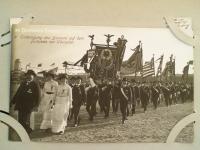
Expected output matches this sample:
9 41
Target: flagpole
141 58
154 68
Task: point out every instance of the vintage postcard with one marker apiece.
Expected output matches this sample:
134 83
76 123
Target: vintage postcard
89 84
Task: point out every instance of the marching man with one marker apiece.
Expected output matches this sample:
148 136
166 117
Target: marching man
125 98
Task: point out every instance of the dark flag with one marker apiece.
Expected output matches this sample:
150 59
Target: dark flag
185 71
134 63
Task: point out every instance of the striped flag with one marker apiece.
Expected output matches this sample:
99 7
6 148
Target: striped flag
148 68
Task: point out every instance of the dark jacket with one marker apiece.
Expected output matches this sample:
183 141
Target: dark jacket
78 95
92 94
127 92
27 96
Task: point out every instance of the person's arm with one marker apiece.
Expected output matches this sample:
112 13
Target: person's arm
17 94
37 94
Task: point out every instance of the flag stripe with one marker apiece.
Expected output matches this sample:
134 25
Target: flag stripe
148 69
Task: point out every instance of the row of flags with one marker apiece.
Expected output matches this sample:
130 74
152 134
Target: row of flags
135 64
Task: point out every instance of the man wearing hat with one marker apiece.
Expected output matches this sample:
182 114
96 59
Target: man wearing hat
27 99
125 98
91 100
144 95
79 97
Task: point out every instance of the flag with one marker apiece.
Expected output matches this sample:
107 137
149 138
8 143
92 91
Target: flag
185 71
173 68
159 70
39 65
169 68
53 64
165 71
148 69
135 61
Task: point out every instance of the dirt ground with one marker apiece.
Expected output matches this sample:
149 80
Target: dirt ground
152 126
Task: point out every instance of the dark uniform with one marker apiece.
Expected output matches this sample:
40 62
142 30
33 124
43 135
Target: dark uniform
92 96
105 96
79 97
137 94
134 97
26 98
183 93
100 98
144 96
154 96
166 93
125 98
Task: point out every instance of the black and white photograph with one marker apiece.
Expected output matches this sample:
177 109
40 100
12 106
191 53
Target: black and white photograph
101 84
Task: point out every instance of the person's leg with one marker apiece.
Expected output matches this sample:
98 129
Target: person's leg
93 109
113 105
20 118
166 101
133 109
108 106
88 105
100 100
154 102
122 111
25 119
76 115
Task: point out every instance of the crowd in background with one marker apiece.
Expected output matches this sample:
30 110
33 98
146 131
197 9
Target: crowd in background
61 97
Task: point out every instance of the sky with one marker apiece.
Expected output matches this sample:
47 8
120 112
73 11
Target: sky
155 41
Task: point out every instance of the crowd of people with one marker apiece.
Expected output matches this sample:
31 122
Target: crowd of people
61 97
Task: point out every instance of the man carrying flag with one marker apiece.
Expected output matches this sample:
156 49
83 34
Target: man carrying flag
185 71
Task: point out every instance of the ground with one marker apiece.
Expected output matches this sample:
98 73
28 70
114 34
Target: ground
152 126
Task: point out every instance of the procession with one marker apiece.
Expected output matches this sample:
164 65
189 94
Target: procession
109 86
